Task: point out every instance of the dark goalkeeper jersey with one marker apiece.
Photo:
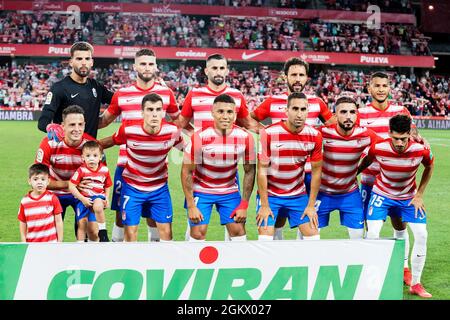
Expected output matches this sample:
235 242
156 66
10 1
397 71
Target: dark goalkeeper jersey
90 96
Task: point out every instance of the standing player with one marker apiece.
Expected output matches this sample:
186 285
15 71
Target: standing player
127 102
274 107
75 89
93 200
343 144
376 116
40 210
285 146
395 191
145 189
64 157
208 175
199 102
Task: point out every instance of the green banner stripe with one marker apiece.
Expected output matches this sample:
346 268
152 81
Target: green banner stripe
11 262
393 282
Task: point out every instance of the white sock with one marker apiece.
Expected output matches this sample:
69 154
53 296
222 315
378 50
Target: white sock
419 250
101 226
403 234
264 238
355 233
374 229
195 240
153 234
91 240
187 235
239 238
278 235
80 241
117 233
161 240
227 235
299 235
310 238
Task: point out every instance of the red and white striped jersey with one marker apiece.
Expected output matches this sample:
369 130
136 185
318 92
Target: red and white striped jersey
127 102
199 101
378 120
62 160
274 107
216 158
39 216
99 180
146 167
341 155
285 152
397 178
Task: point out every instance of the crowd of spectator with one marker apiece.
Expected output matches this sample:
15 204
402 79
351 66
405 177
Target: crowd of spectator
41 28
255 33
25 86
265 33
400 6
341 37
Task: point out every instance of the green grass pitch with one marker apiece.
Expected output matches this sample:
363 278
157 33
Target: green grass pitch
19 142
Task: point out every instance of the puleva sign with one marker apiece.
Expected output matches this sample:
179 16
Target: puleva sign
327 269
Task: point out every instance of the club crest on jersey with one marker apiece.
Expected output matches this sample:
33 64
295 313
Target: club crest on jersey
49 209
166 144
94 92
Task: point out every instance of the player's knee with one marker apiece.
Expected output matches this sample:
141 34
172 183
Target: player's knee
307 231
236 229
198 233
98 206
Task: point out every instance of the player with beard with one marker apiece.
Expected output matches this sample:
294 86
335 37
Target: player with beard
376 116
395 193
75 89
274 108
199 103
127 102
343 144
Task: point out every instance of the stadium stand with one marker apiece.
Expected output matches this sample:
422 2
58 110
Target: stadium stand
25 86
184 31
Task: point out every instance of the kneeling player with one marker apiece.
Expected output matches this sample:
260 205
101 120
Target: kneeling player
145 188
213 156
395 192
284 149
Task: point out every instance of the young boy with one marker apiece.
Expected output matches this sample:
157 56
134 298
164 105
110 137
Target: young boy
90 214
40 210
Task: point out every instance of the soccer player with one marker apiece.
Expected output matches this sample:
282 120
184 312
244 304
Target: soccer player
274 108
395 192
208 175
144 188
199 102
90 214
285 146
64 157
127 102
343 144
376 116
40 210
75 89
